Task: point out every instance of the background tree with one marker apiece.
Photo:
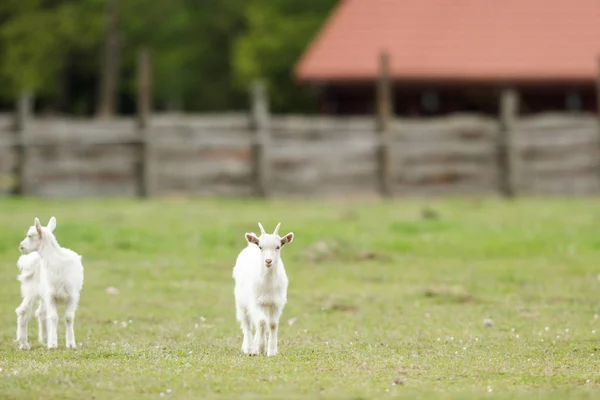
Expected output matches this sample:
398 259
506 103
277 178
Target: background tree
277 34
110 62
79 56
36 40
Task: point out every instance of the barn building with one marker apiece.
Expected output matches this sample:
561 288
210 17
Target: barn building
456 55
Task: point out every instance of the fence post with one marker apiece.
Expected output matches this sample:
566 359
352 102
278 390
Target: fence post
598 89
23 112
261 138
144 106
507 147
385 116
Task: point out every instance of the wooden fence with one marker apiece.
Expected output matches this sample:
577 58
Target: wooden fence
258 154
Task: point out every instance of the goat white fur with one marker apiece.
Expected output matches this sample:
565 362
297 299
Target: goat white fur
29 266
261 290
61 278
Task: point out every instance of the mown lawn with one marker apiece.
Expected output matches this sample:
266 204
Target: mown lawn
386 299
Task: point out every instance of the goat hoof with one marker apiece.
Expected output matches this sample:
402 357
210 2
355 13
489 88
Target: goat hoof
71 346
24 346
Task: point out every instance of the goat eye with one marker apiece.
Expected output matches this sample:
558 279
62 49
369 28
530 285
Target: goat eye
278 247
260 247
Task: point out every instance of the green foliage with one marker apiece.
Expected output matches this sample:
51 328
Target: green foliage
278 32
163 27
205 53
36 39
216 26
383 303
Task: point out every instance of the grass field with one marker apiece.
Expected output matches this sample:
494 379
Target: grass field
383 301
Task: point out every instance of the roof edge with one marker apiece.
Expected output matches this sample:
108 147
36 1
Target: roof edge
309 49
495 80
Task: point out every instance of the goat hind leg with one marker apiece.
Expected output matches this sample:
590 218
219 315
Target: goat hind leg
40 313
51 322
22 320
72 302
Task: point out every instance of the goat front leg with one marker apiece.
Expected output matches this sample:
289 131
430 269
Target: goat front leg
72 302
246 325
258 346
51 321
22 320
40 313
272 344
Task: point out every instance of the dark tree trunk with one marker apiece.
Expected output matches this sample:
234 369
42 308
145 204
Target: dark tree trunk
109 74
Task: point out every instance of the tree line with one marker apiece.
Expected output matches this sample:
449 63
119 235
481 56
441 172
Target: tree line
79 56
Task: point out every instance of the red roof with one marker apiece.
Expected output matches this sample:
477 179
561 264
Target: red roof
485 40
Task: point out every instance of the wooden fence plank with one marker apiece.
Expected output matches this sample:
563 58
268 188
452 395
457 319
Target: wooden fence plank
197 154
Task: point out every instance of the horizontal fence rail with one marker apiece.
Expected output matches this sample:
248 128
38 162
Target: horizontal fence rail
241 154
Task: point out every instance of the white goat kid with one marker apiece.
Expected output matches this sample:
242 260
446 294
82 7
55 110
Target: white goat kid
261 290
29 267
61 278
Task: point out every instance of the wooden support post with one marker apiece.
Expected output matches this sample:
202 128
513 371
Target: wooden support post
23 112
598 92
509 161
261 138
146 174
598 89
385 117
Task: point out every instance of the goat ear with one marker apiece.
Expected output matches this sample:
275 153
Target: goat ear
251 238
52 224
287 238
38 226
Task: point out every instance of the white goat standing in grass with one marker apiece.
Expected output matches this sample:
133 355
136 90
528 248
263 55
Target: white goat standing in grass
30 268
61 278
261 290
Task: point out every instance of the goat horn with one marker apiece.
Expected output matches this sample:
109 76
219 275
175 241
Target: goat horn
276 231
262 230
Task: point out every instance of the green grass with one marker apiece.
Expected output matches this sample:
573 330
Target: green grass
379 294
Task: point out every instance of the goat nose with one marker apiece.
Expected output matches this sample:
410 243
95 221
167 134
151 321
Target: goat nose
268 261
